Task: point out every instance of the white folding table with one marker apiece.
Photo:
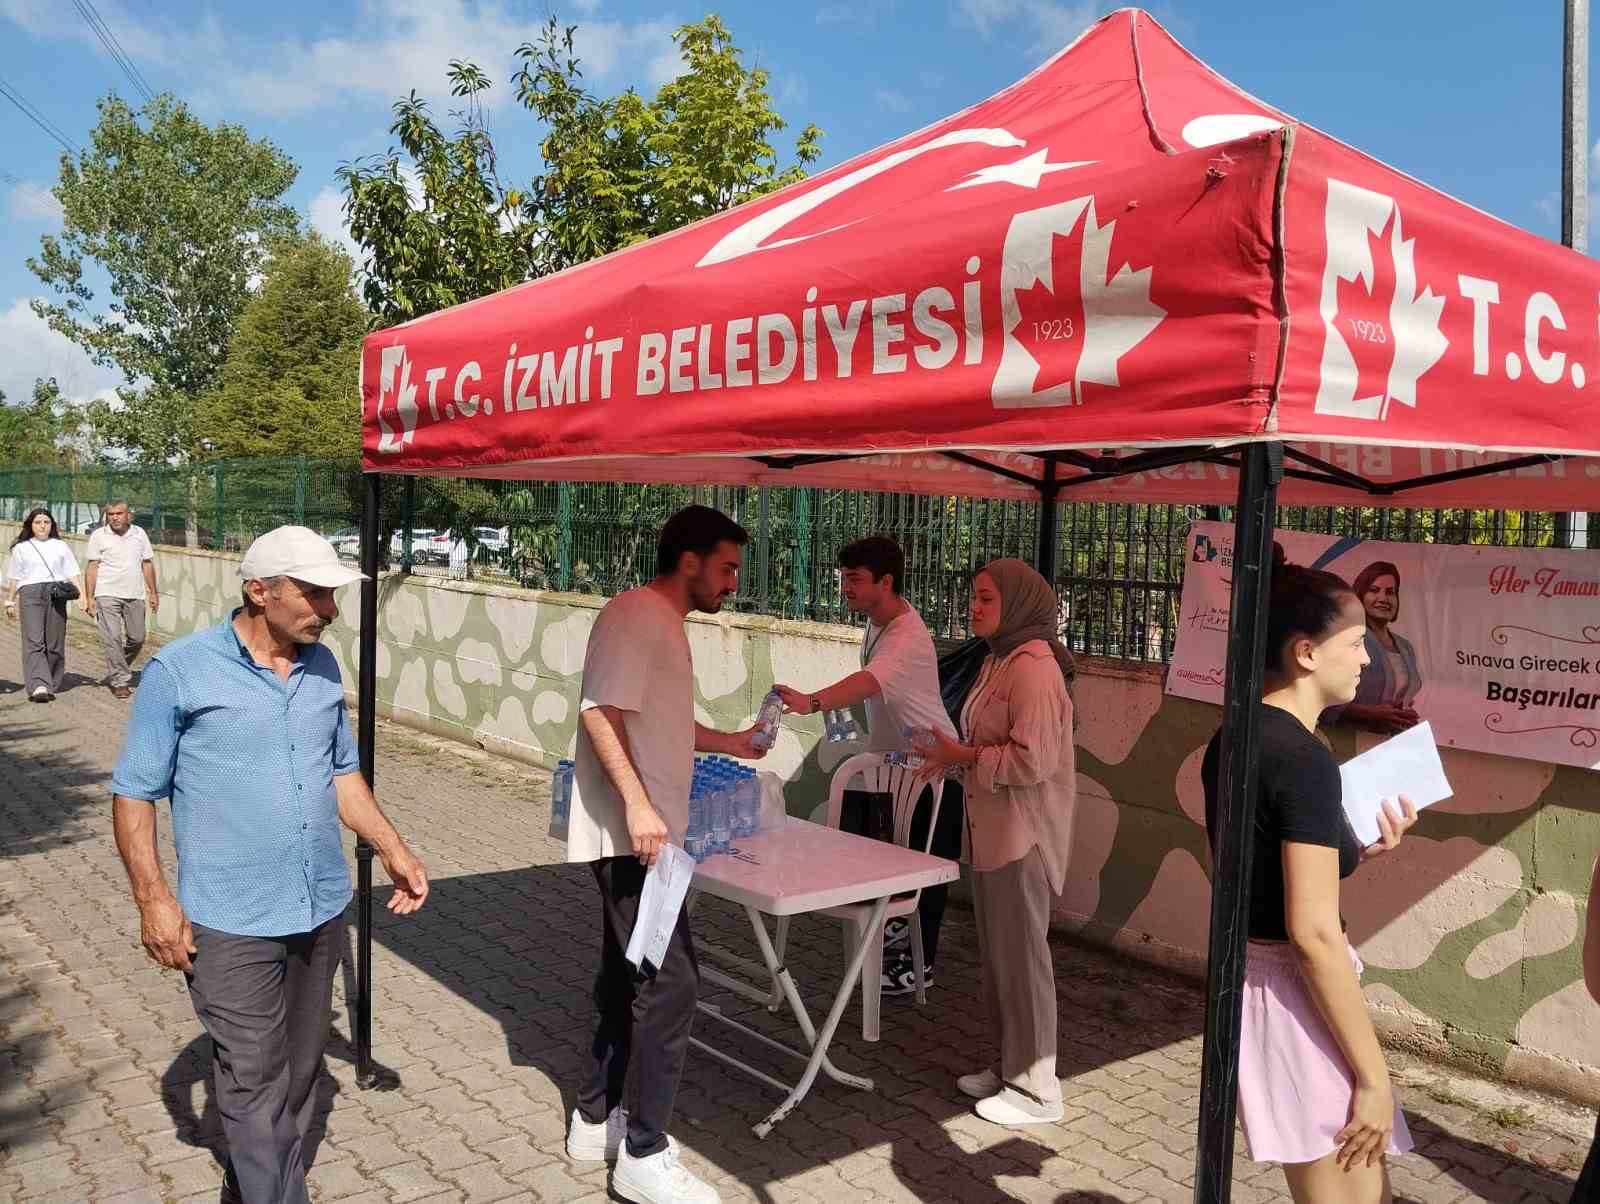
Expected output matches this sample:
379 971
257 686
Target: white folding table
799 868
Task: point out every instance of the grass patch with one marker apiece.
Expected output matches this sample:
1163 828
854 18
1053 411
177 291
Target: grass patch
1443 1095
1510 1116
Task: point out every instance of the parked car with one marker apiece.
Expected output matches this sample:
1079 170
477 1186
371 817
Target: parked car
346 541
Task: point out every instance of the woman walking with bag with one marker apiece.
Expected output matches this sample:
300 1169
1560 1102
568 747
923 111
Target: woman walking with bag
1016 759
41 577
1314 1091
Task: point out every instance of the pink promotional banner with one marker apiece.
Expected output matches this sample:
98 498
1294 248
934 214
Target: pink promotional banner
1121 251
1498 648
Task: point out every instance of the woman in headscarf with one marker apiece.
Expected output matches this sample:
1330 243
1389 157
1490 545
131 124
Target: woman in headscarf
1015 755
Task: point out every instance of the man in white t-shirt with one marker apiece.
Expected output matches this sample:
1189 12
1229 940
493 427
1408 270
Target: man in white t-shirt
898 683
120 578
637 737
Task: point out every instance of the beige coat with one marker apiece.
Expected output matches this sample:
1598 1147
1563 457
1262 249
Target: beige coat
1022 791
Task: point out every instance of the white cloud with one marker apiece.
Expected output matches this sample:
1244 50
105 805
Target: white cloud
399 45
29 203
325 215
1048 24
30 349
892 101
411 44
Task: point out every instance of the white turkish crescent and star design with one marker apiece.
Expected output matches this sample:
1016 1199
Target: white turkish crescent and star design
1024 173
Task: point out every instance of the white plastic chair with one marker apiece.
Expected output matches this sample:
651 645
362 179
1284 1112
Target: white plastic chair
876 774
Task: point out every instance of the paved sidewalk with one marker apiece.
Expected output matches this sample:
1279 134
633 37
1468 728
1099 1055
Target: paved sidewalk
481 1014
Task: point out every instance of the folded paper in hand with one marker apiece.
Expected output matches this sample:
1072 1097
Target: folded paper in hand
1406 764
664 888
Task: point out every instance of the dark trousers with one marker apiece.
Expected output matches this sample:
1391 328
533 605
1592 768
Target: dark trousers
267 1003
640 1017
946 842
44 637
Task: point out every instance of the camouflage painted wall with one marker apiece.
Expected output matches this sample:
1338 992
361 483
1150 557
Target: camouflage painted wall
1471 933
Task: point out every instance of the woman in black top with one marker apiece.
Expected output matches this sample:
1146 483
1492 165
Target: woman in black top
1314 1091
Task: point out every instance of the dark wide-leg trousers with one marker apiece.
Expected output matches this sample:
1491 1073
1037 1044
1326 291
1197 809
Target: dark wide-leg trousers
267 1003
641 1017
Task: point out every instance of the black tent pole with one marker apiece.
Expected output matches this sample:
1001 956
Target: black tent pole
1049 524
366 716
1259 475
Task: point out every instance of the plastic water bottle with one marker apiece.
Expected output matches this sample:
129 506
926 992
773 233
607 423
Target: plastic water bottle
830 726
914 736
721 800
561 792
841 726
747 803
694 837
767 720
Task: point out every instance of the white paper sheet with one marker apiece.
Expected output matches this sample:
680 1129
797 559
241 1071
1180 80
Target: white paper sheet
1406 764
659 903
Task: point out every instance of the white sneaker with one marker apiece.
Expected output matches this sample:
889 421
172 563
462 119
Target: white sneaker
660 1179
1011 1107
40 694
981 1085
596 1143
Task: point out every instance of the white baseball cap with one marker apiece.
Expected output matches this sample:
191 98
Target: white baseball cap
297 552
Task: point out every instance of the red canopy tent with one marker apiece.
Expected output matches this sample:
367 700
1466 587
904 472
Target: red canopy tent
1120 279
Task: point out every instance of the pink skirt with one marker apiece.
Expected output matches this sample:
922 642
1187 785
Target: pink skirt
1295 1085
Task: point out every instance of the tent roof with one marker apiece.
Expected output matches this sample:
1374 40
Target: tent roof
1100 279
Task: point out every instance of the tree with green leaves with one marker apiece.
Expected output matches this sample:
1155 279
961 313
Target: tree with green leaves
615 171
180 217
288 385
45 430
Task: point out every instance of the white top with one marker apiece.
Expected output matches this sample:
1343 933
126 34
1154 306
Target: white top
121 557
39 560
900 655
804 867
637 661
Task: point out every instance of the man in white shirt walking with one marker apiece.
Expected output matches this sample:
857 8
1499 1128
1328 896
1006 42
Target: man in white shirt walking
637 737
120 579
898 683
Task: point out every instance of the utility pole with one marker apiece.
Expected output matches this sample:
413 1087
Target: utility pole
1572 530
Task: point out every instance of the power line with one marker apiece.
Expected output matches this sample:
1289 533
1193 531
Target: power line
96 22
38 118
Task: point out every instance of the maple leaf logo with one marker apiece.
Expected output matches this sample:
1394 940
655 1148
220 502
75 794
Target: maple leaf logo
394 385
1382 330
1050 327
1068 320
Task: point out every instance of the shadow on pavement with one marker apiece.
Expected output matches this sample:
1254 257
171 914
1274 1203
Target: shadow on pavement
521 945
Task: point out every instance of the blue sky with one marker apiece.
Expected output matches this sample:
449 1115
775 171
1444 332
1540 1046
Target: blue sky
1465 96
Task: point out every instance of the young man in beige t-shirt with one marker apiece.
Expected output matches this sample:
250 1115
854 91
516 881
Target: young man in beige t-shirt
637 737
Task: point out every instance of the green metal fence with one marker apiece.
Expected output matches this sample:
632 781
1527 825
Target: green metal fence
1120 567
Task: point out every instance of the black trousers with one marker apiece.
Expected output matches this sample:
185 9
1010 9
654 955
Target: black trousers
946 843
267 1003
643 1018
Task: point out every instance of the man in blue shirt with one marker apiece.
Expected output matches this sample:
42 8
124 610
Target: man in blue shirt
243 726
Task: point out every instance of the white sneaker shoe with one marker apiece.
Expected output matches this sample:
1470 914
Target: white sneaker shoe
40 694
596 1143
1011 1107
981 1085
660 1179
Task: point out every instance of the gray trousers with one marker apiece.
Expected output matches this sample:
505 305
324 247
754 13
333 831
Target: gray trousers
121 624
1012 906
44 637
267 1003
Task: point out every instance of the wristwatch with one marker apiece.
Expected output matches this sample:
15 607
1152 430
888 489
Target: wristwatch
816 703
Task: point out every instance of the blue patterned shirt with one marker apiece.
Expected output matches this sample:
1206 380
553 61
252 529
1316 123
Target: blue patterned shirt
248 761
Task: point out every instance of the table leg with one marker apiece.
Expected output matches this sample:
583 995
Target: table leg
819 1040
